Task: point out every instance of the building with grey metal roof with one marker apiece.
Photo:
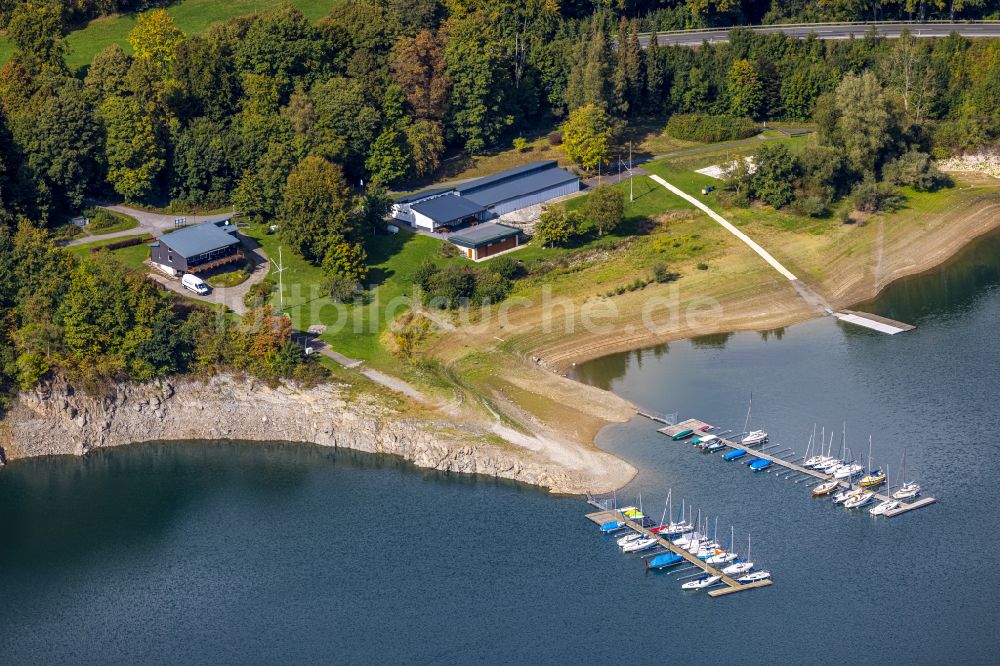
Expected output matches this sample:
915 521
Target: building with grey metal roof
447 211
485 240
197 248
500 193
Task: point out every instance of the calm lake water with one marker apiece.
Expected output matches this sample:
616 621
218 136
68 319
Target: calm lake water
221 552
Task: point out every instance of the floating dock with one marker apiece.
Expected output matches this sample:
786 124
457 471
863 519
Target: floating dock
700 427
874 322
731 585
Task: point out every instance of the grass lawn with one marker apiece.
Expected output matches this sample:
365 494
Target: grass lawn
122 223
191 16
354 329
132 256
231 277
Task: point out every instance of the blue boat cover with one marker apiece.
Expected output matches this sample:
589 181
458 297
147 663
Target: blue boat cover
733 455
611 525
759 463
664 560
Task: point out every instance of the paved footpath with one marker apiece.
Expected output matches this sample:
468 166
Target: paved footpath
150 224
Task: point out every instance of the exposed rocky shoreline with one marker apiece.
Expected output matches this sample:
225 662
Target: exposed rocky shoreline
56 419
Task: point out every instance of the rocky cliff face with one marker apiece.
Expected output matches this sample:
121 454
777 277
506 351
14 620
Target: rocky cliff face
55 419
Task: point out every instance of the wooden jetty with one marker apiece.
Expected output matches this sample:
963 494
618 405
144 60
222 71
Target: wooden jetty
873 321
705 428
731 584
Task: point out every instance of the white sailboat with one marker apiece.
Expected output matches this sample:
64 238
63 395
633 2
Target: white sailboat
754 576
884 506
816 458
755 437
859 500
909 489
701 583
740 566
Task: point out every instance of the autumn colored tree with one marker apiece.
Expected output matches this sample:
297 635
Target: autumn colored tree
417 66
587 136
155 38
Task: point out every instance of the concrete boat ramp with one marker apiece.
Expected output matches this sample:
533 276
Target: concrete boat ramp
874 322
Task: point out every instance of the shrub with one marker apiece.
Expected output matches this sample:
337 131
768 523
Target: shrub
504 266
425 273
916 170
702 267
341 288
661 272
447 250
491 288
451 286
521 145
710 129
558 227
100 219
555 138
871 196
259 293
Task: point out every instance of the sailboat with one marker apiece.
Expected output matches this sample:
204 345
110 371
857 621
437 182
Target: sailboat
701 583
873 478
884 506
815 462
645 543
740 566
859 500
755 437
844 495
825 488
753 577
723 556
909 489
663 561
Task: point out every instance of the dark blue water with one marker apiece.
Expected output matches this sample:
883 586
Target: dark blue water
210 552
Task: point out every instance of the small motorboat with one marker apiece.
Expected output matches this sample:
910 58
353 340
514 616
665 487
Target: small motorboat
753 577
755 437
883 508
907 491
715 446
683 434
701 583
872 479
825 488
611 526
859 500
759 464
663 561
705 428
735 454
644 543
705 441
737 568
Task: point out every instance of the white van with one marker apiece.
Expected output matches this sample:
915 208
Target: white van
195 284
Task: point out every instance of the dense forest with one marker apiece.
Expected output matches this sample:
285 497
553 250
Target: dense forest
310 124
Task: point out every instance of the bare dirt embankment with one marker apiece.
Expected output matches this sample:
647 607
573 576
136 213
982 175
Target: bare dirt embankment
56 419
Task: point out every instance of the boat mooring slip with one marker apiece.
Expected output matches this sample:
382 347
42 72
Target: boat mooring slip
763 460
723 583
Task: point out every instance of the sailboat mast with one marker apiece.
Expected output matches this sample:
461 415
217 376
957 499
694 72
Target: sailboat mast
746 424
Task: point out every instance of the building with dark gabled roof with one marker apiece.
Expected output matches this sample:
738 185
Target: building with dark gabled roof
486 197
196 249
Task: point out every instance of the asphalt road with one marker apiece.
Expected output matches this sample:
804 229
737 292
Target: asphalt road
834 31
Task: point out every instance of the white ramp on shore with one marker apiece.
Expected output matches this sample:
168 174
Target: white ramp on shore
874 322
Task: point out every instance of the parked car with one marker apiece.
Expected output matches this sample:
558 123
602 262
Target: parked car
195 284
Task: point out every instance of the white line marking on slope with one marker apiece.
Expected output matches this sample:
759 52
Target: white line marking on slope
764 254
